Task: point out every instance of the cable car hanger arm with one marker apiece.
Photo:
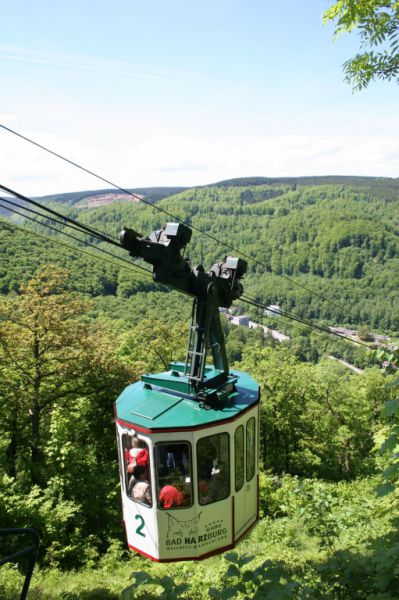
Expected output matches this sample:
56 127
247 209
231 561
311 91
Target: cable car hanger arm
163 249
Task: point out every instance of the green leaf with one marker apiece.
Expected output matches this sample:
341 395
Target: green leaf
228 593
181 588
233 571
391 472
384 489
166 582
389 444
128 593
391 408
142 578
393 384
231 557
244 560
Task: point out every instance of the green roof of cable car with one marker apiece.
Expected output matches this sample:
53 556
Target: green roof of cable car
155 409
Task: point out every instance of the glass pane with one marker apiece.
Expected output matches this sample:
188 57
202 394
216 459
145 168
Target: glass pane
251 447
136 458
173 473
213 464
239 457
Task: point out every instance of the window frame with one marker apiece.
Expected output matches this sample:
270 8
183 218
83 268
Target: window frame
253 419
237 489
190 458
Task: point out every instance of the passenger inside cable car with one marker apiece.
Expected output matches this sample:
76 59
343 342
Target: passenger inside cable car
136 453
132 454
139 488
174 480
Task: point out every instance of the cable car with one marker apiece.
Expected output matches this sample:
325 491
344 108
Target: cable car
188 437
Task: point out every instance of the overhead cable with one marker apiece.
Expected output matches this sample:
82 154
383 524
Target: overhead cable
132 267
136 266
69 220
300 320
36 212
78 226
278 320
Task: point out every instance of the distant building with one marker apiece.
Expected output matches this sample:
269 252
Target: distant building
241 320
273 310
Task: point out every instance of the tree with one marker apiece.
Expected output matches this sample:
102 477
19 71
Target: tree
378 25
50 357
58 381
364 334
151 345
316 420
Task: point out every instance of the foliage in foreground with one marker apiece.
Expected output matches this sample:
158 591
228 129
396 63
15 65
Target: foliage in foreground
378 25
316 539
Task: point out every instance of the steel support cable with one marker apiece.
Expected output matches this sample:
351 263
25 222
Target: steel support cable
36 212
278 320
132 266
75 238
124 190
286 315
88 171
303 321
245 299
74 222
298 319
77 226
298 325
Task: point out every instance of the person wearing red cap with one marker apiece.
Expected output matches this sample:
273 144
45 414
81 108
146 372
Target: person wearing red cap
143 460
170 497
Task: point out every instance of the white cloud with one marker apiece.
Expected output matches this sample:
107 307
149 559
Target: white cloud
130 158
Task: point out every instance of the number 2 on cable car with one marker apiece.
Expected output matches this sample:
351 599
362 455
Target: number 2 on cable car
141 526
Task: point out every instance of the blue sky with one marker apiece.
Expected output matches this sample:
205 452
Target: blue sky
184 92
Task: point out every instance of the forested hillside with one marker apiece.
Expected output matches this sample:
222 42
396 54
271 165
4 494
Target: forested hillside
340 241
76 329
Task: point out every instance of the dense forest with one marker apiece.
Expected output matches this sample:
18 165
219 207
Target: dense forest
340 241
76 329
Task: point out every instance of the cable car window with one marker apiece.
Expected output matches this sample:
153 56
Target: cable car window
173 474
213 465
251 448
239 457
136 462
